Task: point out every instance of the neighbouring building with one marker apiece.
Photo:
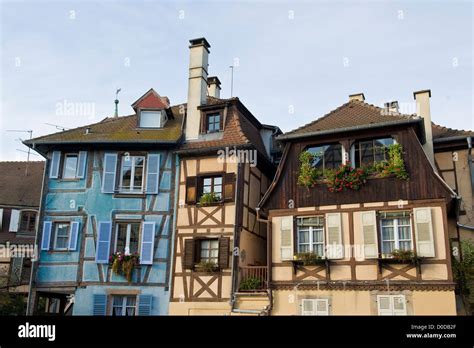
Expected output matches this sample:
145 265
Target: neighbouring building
108 198
20 193
358 216
225 163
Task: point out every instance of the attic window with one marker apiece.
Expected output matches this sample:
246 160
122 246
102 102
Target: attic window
151 119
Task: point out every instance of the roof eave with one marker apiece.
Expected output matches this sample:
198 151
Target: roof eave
347 129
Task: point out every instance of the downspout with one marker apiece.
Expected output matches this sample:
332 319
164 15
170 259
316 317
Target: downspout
35 261
175 218
269 258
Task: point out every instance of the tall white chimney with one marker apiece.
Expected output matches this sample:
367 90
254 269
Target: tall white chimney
214 87
422 99
197 85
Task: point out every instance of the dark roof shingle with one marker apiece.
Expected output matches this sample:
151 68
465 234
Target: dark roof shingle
18 189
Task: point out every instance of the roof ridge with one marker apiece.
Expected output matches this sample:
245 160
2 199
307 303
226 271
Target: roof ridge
451 129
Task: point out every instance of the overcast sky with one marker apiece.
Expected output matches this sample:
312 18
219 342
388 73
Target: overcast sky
294 61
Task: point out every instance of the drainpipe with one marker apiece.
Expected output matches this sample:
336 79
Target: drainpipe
29 304
471 170
269 258
175 217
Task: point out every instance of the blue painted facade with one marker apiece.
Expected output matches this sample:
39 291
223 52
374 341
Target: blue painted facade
76 271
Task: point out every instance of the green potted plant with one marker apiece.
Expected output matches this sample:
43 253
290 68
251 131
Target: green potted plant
124 264
250 283
308 259
403 256
207 266
209 198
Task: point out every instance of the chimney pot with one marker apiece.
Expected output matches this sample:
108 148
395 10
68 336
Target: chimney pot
392 106
357 96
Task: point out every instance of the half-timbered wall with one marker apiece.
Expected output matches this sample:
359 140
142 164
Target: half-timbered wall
81 200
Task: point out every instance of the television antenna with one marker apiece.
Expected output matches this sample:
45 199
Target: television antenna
30 132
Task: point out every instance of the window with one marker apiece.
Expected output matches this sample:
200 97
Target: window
151 119
314 306
70 165
311 235
213 122
326 156
131 176
127 237
368 152
209 250
28 221
124 305
212 184
61 235
391 305
395 231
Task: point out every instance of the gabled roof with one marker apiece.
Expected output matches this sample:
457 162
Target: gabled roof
352 115
152 100
121 129
18 189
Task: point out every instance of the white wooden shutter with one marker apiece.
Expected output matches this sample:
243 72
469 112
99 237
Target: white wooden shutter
424 232
334 248
399 305
108 174
384 305
308 306
81 164
14 220
322 307
286 238
54 165
1 219
369 234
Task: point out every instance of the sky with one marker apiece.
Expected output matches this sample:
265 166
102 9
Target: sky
294 61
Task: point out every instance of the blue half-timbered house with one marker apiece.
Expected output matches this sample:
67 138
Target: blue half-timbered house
108 196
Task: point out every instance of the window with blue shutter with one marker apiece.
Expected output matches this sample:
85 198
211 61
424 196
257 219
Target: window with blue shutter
103 242
109 172
147 243
81 165
145 304
54 165
153 173
74 236
46 239
99 304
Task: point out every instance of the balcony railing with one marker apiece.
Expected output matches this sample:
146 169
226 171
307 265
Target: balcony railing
253 278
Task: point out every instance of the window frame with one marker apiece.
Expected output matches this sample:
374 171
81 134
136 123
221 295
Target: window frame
63 165
396 234
392 304
29 212
201 185
356 151
124 305
199 257
128 234
162 119
132 174
56 226
206 123
311 242
323 154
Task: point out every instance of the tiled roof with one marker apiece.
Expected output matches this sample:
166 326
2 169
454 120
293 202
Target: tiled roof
238 130
121 129
352 114
440 132
16 189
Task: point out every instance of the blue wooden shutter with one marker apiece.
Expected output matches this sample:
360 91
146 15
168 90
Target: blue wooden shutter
99 304
153 173
145 303
54 165
74 235
103 242
108 177
147 243
45 241
81 164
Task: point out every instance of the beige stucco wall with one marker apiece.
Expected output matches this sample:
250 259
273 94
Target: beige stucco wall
353 302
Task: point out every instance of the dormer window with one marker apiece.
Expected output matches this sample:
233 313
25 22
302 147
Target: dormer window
213 122
152 119
368 152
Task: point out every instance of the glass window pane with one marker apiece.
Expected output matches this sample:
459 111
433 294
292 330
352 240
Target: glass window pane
121 237
304 236
387 247
387 233
404 232
207 181
70 165
218 180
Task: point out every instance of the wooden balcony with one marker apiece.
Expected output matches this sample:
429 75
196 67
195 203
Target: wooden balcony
253 278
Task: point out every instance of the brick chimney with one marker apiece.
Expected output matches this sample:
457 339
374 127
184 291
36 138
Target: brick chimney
422 99
197 85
